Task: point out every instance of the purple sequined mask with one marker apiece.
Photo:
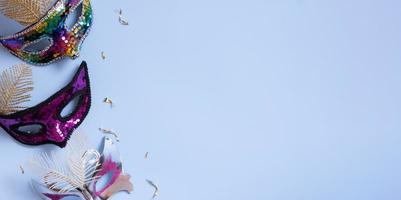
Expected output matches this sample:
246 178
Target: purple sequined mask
44 123
52 28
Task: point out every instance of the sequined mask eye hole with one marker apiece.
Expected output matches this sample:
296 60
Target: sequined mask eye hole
81 173
59 33
39 45
73 18
29 129
69 109
53 120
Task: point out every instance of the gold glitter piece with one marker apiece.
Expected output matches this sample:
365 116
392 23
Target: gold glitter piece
22 169
146 155
121 18
103 55
109 131
109 101
156 192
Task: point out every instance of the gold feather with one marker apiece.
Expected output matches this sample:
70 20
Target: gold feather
25 12
15 84
75 169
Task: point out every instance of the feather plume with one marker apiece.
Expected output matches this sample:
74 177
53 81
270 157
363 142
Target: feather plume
15 85
65 175
25 12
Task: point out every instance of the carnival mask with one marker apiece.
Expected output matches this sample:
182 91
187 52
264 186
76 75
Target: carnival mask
79 176
44 123
52 27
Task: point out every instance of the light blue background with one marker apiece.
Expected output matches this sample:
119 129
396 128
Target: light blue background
257 99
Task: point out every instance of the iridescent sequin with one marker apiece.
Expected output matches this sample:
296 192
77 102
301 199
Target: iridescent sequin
64 42
55 128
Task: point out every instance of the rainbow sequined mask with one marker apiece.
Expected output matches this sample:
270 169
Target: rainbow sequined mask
45 123
52 27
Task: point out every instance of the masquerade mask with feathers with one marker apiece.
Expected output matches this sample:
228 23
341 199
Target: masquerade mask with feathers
44 123
85 174
63 42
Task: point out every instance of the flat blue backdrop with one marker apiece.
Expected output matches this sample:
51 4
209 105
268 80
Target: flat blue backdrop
256 99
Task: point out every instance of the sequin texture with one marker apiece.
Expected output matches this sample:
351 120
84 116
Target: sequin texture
55 128
64 42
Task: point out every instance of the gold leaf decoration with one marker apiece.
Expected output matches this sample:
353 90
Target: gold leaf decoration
73 170
25 12
15 84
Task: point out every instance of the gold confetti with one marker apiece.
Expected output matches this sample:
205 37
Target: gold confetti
146 155
109 101
108 131
156 192
121 18
103 55
22 169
